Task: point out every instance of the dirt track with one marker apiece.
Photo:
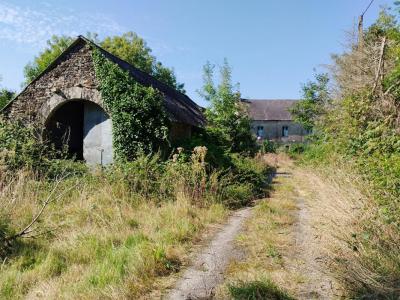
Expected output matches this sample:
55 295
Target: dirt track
200 279
309 238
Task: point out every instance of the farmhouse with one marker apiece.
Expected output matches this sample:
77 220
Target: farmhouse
271 120
65 100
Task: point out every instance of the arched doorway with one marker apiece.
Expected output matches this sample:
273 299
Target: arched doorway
84 128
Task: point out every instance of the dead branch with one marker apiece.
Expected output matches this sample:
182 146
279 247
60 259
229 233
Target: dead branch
28 228
380 64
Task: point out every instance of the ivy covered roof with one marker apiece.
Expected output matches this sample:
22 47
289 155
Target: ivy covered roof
179 106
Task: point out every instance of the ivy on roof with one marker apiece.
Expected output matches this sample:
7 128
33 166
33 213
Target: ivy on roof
139 120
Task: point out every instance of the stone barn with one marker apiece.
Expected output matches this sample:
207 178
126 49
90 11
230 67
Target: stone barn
271 120
66 102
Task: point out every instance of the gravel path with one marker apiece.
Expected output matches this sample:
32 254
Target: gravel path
207 271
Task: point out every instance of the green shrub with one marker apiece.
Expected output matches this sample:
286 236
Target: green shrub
257 290
65 168
143 175
217 154
296 149
268 147
250 171
21 147
238 195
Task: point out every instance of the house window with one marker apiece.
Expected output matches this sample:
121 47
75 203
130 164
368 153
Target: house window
285 131
260 131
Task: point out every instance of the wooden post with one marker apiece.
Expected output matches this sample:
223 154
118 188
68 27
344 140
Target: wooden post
360 32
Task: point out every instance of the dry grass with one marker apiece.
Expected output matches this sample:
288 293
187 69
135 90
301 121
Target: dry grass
364 250
106 243
266 240
319 236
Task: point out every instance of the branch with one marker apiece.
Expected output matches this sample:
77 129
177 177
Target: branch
390 88
27 230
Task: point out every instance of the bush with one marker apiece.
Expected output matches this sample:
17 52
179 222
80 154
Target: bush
21 148
238 195
296 149
257 290
65 168
250 171
217 153
268 147
189 173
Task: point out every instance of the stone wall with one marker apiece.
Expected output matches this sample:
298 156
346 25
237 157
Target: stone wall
73 78
273 130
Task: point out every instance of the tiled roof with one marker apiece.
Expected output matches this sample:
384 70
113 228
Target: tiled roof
270 109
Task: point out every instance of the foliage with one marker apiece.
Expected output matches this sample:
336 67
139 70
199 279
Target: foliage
140 123
227 116
117 229
315 97
257 290
133 49
217 154
236 186
252 171
102 236
55 46
268 147
22 149
360 130
5 97
249 175
129 47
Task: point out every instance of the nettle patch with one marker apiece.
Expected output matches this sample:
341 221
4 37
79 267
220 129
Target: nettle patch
139 120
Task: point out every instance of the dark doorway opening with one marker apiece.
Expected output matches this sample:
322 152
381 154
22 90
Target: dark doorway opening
64 128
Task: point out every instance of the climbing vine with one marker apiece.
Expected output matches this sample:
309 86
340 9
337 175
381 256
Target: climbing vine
139 120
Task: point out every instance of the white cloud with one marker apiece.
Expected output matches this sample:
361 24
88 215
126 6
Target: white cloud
24 25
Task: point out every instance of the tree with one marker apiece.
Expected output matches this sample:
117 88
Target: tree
55 46
315 96
133 49
129 47
227 115
5 96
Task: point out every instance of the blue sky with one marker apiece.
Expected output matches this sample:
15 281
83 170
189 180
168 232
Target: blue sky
272 45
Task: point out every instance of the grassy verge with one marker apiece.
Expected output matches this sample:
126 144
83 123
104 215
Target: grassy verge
105 243
112 234
265 239
369 263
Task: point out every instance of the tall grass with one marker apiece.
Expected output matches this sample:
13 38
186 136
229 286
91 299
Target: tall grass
110 233
369 265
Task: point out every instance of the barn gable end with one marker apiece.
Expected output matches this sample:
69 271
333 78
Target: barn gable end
71 76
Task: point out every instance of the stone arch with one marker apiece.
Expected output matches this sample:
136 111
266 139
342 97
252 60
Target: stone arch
61 96
75 117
